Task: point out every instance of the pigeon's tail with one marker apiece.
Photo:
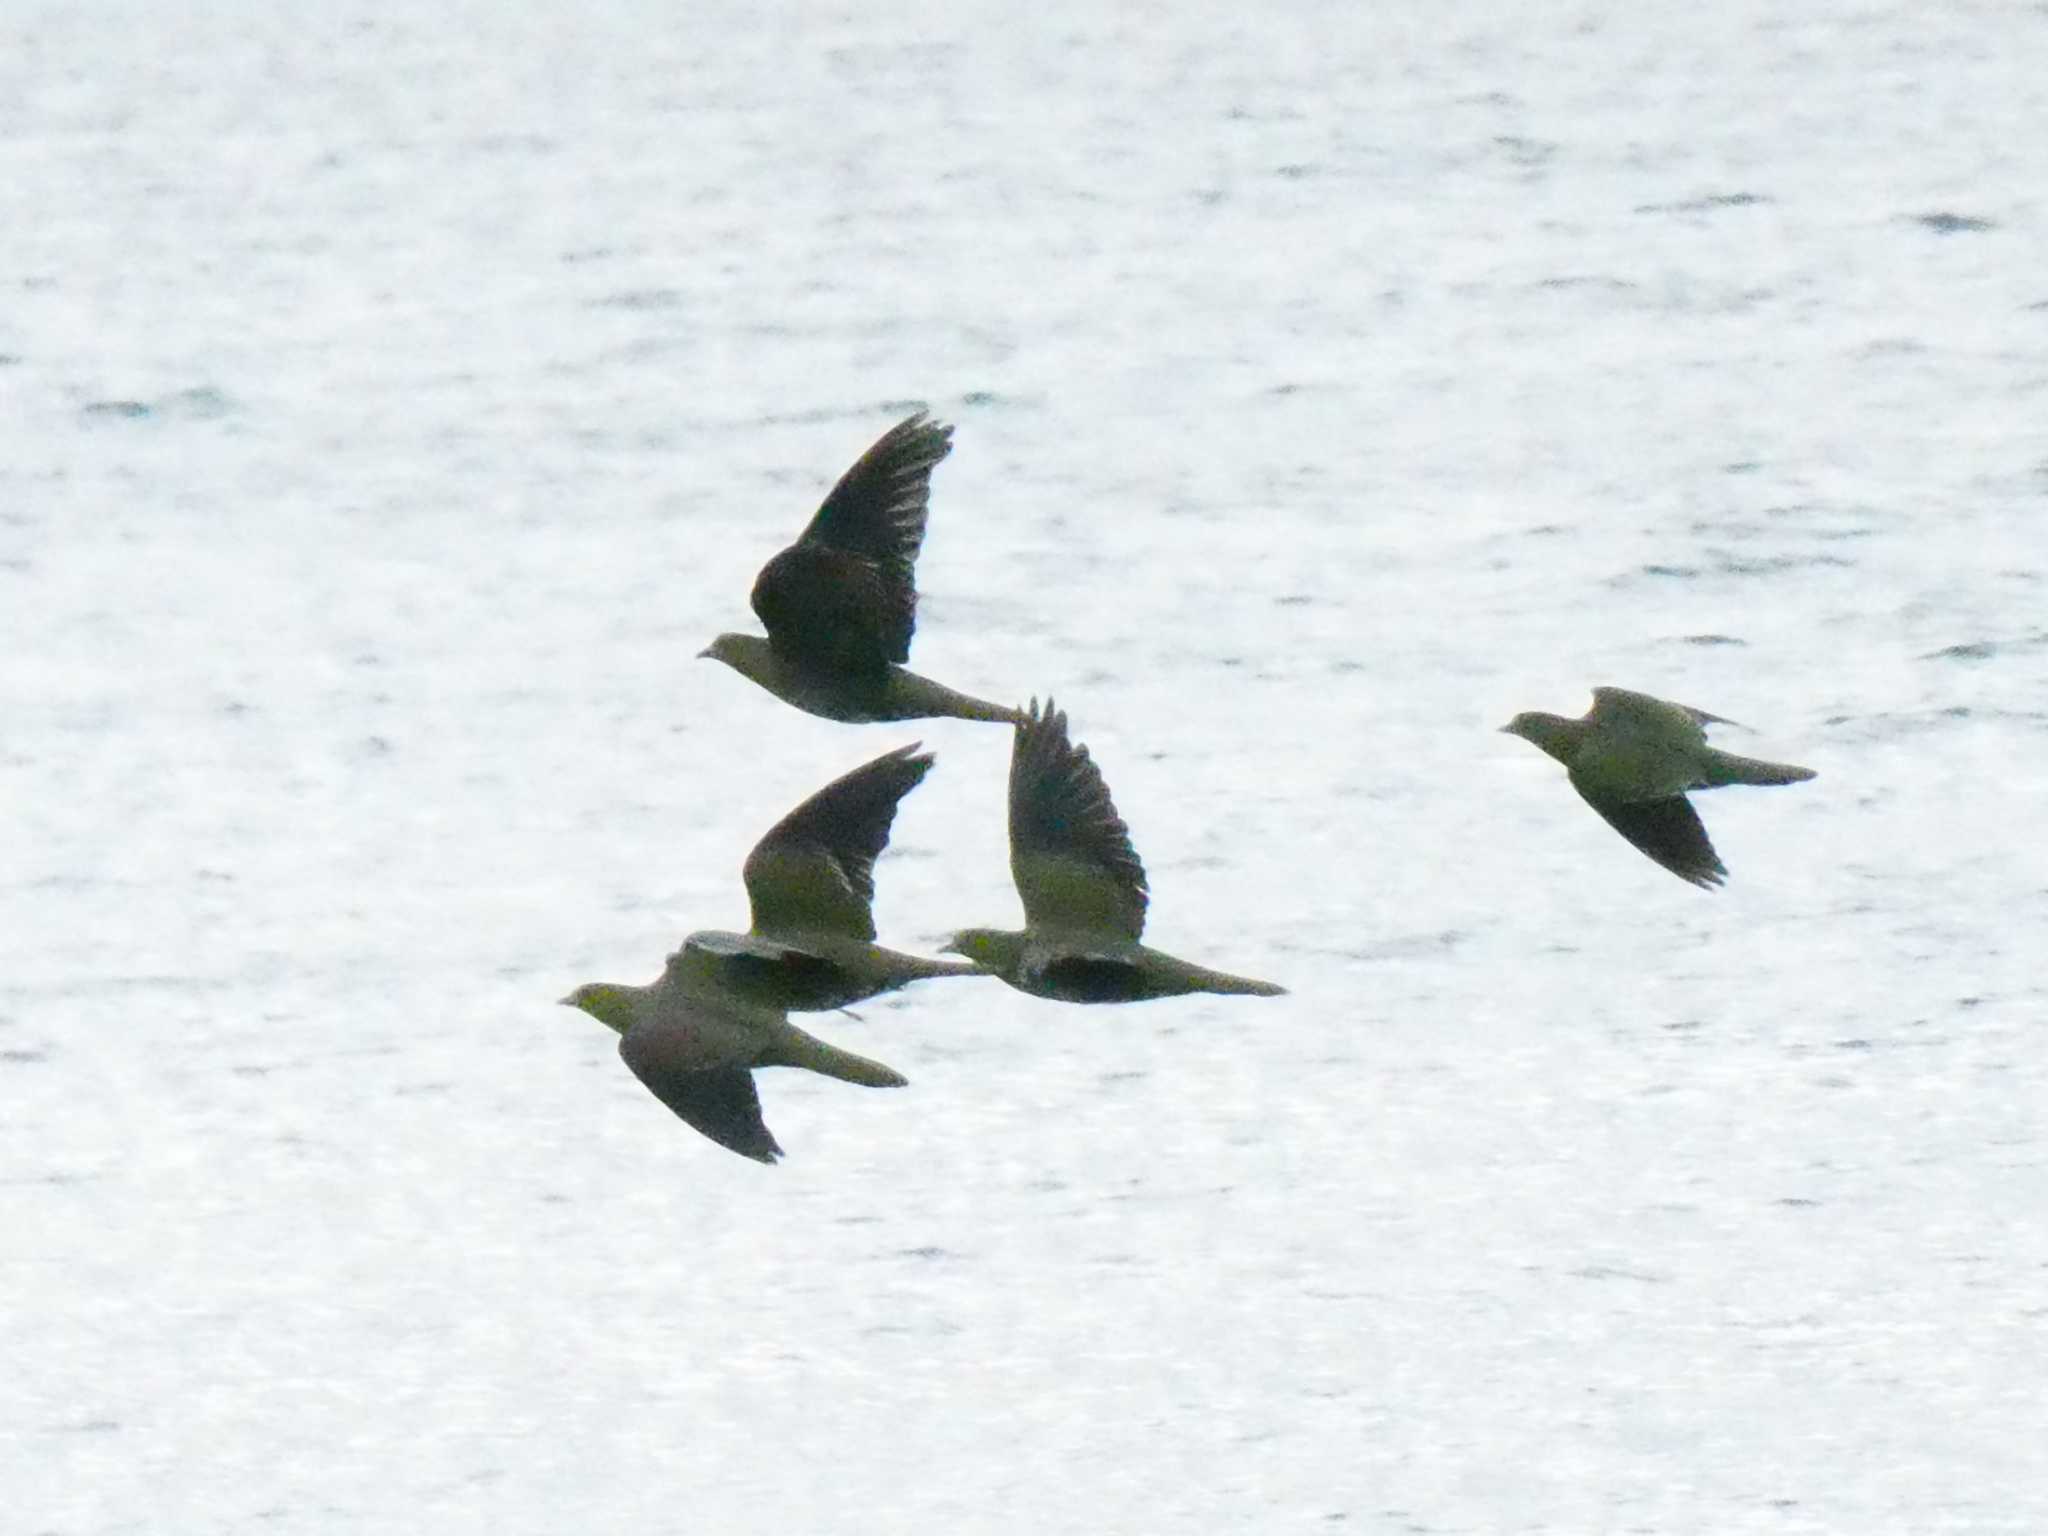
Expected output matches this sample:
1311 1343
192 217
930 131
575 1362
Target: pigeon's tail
1246 986
911 697
794 1048
1726 768
907 968
961 707
1206 980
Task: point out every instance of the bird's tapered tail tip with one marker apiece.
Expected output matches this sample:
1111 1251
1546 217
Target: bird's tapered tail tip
1244 986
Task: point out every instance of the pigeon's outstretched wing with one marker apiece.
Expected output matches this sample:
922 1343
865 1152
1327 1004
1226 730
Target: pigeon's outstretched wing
1668 829
1070 853
720 1102
843 597
814 871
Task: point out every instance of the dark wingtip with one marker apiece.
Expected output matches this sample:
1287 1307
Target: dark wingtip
920 422
1048 717
913 755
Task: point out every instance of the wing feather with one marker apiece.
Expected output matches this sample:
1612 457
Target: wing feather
1668 829
814 871
720 1102
1646 711
1070 852
844 595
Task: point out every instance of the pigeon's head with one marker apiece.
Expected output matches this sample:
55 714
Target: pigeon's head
990 948
608 1004
745 654
1552 733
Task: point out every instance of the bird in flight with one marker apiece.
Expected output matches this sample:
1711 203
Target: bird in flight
1633 758
696 1047
720 1008
1083 888
811 889
840 604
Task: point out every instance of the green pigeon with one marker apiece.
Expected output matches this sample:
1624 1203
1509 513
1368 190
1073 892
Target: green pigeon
1633 758
696 1047
840 604
1083 888
811 886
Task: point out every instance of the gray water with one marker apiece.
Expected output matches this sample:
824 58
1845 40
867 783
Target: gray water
392 404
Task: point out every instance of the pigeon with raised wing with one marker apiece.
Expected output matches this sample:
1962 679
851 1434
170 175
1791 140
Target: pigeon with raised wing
719 1009
811 887
840 604
1083 888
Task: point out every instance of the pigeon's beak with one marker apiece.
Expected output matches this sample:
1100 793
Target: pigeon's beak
1507 730
567 1002
704 654
951 947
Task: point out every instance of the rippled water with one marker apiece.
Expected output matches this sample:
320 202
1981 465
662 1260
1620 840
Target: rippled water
392 407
